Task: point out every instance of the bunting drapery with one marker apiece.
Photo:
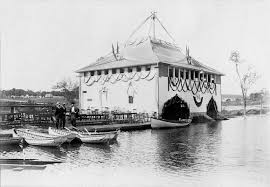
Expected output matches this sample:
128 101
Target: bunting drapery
179 84
125 77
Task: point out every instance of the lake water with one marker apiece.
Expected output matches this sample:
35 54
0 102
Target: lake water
227 153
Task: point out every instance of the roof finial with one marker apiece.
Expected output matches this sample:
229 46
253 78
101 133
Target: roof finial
188 55
153 16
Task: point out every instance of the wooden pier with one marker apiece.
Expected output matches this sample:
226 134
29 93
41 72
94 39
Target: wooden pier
104 121
121 126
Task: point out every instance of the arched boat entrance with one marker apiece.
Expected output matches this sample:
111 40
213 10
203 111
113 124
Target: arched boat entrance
212 110
175 108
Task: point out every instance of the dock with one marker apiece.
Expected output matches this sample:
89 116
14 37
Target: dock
112 127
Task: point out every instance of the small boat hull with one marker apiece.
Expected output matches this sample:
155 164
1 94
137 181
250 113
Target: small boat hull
40 139
97 137
58 132
159 123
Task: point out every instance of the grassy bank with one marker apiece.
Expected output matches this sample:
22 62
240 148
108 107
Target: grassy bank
240 112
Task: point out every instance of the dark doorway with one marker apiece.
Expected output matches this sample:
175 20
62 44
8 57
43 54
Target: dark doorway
175 108
212 109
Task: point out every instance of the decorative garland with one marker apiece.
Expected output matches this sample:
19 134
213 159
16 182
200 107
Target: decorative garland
198 104
125 77
178 84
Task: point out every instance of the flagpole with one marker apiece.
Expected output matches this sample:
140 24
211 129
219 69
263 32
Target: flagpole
154 29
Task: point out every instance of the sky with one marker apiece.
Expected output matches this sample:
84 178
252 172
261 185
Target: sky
45 41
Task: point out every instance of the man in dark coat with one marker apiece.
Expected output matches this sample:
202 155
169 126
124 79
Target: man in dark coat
57 114
63 115
74 112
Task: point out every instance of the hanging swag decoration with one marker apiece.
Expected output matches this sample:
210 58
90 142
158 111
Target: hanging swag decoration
198 103
179 84
125 77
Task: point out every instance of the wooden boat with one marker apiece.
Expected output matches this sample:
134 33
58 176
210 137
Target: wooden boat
59 132
95 137
24 164
40 139
161 123
9 139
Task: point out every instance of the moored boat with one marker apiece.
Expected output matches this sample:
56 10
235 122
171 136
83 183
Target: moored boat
161 123
40 139
59 132
95 137
9 139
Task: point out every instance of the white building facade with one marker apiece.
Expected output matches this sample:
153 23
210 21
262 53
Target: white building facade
144 75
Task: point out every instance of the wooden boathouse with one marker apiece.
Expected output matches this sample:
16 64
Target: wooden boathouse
144 73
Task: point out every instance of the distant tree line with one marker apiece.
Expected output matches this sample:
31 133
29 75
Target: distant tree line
66 88
262 96
22 92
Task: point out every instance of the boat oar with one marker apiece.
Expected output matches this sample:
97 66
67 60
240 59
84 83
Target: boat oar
87 131
67 129
77 129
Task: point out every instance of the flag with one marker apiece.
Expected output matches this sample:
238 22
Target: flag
117 49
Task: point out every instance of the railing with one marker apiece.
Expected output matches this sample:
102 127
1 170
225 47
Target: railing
112 118
105 118
44 117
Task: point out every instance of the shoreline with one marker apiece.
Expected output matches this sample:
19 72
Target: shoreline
240 112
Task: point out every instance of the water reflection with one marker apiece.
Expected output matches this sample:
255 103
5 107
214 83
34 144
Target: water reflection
44 153
192 148
233 150
10 149
95 153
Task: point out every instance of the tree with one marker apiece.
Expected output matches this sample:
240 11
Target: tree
246 80
69 88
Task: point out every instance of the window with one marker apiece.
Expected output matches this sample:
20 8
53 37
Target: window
196 74
99 72
192 75
170 72
187 74
130 99
129 70
84 92
121 70
181 74
138 69
208 78
92 73
113 71
147 68
201 77
106 72
213 79
176 72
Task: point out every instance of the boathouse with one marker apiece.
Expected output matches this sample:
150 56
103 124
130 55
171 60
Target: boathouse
143 74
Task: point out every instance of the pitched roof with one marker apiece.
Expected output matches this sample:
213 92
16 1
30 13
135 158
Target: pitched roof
145 52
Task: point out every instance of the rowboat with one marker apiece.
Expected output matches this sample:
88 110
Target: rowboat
9 139
58 132
95 137
24 164
40 139
161 123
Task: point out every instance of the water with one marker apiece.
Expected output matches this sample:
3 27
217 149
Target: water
226 153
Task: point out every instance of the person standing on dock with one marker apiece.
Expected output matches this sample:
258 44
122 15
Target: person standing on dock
73 114
63 115
57 114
